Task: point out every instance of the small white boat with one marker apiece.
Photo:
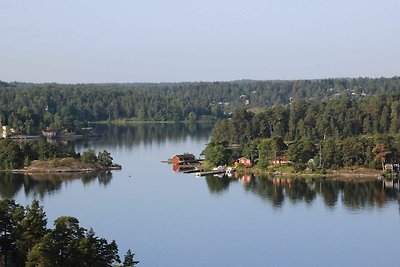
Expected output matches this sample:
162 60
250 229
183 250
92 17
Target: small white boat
229 171
219 168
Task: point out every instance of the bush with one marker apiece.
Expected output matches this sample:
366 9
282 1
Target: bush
89 156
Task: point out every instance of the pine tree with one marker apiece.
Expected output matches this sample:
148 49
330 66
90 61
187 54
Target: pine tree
129 259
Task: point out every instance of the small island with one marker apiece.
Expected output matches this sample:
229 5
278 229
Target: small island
65 165
42 156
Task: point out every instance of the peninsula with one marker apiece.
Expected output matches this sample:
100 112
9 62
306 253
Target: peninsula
335 137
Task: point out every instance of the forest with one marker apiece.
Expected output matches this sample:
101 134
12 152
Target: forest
29 107
25 240
333 133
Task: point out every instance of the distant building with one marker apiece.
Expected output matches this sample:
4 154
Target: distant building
6 131
245 162
280 160
49 133
186 157
392 167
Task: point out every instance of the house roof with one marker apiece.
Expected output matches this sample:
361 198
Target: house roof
185 156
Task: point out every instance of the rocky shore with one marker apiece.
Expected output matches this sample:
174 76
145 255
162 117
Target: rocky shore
64 165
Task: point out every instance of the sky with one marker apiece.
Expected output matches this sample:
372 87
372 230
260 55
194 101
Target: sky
97 41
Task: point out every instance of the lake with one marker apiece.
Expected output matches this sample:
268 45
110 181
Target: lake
174 219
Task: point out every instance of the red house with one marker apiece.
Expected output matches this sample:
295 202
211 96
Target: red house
184 158
280 160
245 162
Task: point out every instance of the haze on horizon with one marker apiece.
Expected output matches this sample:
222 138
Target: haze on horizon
171 41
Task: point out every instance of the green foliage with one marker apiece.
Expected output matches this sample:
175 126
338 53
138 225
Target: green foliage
10 216
269 149
89 156
10 155
129 260
15 155
25 240
335 133
218 153
33 228
29 108
104 158
314 120
301 152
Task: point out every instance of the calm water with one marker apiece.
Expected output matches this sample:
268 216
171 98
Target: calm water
174 219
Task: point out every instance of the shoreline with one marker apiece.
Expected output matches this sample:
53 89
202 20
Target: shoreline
62 165
28 171
344 174
133 122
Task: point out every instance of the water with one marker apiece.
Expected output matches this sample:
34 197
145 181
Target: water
174 219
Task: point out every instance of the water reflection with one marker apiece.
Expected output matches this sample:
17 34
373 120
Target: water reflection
353 195
115 135
39 185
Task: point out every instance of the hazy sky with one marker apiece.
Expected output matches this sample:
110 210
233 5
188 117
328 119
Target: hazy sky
155 41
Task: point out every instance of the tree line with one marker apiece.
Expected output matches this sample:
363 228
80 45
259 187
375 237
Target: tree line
31 107
314 120
25 240
334 133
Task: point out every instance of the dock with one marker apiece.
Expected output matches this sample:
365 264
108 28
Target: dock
210 173
192 171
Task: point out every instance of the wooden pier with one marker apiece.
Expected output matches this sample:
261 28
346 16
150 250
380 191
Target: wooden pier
210 173
192 171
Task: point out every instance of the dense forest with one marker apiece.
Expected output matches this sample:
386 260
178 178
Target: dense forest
335 133
31 107
25 240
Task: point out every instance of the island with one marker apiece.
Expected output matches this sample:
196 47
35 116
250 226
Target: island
42 156
65 165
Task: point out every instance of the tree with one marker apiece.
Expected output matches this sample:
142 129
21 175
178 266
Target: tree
33 228
97 251
380 151
300 152
104 158
218 153
269 149
10 216
25 240
331 156
62 245
10 155
89 156
129 259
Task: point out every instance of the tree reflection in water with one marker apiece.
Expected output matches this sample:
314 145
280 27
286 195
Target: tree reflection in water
147 134
39 185
353 195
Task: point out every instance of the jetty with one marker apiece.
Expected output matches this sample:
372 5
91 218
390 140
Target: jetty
192 171
210 173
